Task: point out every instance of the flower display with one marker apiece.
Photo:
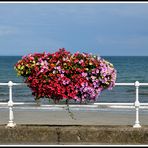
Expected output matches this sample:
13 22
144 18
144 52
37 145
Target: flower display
62 75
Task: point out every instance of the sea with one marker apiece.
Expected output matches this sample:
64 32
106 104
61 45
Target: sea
129 69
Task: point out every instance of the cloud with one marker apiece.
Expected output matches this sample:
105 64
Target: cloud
131 10
5 31
103 26
129 45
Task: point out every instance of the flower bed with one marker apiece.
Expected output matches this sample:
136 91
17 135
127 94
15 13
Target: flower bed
62 75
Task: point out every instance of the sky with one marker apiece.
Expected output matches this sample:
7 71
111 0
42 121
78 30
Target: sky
105 29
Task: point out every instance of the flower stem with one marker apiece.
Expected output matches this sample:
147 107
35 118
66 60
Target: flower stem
69 111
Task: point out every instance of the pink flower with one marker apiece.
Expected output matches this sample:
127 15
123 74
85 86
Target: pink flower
84 74
62 75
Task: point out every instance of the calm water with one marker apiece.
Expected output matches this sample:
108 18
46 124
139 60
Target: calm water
129 69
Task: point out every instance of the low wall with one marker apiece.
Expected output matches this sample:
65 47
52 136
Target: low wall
73 134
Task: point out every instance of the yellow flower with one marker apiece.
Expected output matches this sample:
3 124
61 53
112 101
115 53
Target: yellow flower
19 66
22 67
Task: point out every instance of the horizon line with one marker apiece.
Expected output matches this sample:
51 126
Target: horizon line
99 55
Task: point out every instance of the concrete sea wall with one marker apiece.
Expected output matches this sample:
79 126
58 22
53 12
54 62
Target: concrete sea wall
71 134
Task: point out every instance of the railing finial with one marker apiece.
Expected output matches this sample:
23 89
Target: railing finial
137 84
10 83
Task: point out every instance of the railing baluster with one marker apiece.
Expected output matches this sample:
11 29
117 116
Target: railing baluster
10 105
137 105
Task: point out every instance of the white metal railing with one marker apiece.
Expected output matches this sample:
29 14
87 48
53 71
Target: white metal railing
136 104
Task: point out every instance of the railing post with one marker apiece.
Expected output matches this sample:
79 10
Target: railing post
10 105
137 105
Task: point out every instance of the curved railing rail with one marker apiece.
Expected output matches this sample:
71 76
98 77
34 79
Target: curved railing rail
135 104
